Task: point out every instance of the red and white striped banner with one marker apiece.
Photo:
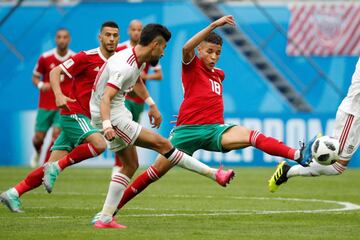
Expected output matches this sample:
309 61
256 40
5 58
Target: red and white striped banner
324 29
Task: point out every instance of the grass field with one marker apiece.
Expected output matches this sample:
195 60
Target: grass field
183 205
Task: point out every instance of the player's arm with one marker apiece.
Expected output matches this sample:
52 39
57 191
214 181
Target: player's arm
38 72
60 99
42 86
156 75
154 114
189 47
109 94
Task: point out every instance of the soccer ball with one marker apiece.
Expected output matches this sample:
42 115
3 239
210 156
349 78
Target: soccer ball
325 150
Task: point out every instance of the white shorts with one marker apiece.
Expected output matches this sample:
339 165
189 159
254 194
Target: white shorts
127 131
347 131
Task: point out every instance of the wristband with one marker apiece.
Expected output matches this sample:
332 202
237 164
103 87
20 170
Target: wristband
40 84
106 124
149 101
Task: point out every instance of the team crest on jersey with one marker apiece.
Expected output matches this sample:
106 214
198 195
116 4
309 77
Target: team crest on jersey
350 149
97 69
52 65
68 63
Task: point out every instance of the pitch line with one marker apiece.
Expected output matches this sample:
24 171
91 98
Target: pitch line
345 206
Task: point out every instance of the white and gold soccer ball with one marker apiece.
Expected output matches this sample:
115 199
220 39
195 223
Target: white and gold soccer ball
325 150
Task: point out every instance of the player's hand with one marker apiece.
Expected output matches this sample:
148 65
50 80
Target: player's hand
229 19
154 116
174 121
62 100
45 87
109 133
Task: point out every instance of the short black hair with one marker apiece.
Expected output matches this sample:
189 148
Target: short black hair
151 31
214 38
111 24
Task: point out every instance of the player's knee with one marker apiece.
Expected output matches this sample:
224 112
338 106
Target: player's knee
38 138
162 145
100 146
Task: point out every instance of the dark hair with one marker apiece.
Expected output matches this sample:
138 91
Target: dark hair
111 24
214 38
151 31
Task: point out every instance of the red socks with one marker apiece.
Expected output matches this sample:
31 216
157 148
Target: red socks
78 154
139 184
271 145
33 180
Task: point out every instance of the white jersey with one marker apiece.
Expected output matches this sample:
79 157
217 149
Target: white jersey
351 103
121 72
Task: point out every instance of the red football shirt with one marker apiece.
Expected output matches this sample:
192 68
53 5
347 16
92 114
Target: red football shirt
45 64
203 103
83 68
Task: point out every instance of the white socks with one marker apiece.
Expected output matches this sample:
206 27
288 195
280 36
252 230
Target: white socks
14 192
185 161
297 155
118 184
315 169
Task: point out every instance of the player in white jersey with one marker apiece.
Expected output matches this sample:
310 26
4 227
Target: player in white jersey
119 75
346 130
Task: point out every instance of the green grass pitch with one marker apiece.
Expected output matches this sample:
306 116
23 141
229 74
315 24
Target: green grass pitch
183 205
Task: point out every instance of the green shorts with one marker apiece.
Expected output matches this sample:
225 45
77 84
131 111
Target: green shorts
47 118
75 128
190 138
135 108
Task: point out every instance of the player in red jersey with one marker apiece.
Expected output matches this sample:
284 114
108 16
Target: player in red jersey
48 114
133 102
78 140
200 124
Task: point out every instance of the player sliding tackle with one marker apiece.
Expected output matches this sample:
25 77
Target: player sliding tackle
200 124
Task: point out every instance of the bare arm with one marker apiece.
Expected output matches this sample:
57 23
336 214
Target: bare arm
154 114
156 75
141 90
190 45
42 86
109 94
60 98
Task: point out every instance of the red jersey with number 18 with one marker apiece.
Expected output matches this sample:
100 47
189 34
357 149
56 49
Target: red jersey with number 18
83 67
203 102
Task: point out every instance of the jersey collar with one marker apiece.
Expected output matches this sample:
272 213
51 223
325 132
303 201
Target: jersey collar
133 49
101 55
65 57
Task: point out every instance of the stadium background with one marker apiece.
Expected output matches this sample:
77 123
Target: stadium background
250 97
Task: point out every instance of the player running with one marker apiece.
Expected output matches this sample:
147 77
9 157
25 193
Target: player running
200 124
346 130
78 140
48 114
133 102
